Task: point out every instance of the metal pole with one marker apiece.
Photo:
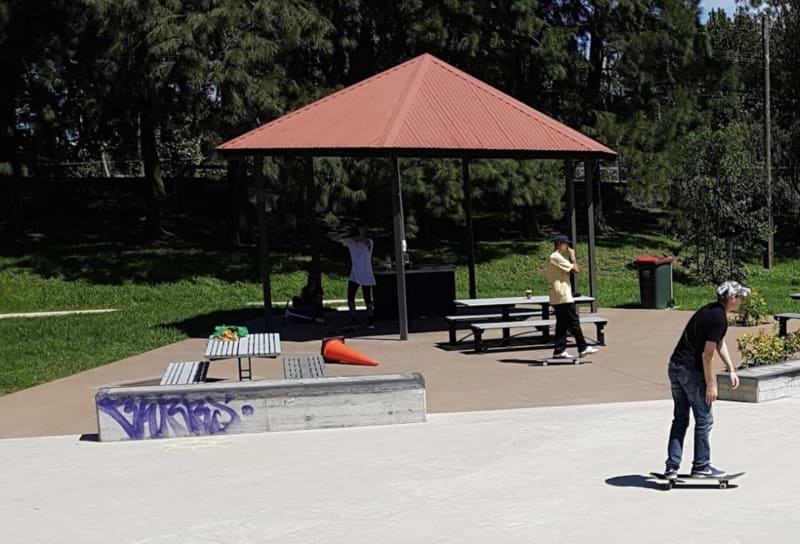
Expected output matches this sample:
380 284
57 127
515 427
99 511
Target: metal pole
768 144
261 213
311 211
399 249
588 167
571 215
470 233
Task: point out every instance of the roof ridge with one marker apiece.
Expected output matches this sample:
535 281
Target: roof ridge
319 102
408 95
517 104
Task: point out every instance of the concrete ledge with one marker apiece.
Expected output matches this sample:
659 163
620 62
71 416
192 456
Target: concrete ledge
138 413
762 383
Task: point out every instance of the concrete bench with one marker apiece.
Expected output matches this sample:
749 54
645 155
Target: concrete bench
783 319
762 383
296 367
479 328
229 407
453 321
185 372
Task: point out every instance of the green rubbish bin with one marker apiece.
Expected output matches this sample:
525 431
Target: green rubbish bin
655 281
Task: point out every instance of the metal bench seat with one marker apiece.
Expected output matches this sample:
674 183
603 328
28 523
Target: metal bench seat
479 328
453 321
185 372
303 366
783 320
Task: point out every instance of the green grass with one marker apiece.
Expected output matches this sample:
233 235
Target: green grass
165 294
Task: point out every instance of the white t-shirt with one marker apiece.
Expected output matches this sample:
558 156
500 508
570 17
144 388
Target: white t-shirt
361 259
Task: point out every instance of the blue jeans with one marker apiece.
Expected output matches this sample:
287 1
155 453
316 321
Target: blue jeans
689 392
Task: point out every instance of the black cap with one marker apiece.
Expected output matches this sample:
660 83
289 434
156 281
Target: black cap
561 239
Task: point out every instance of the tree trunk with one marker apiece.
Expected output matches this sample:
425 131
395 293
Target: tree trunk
239 202
10 163
599 216
154 183
594 96
530 222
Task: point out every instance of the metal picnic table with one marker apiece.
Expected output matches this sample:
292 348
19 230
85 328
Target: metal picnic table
266 345
506 304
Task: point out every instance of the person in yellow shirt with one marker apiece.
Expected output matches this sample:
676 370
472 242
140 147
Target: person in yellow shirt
557 269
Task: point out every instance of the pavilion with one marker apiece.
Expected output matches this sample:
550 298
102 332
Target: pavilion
423 107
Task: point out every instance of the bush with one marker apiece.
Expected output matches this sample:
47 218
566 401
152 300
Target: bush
765 348
752 311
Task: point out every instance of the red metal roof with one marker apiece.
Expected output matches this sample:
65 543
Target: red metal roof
423 107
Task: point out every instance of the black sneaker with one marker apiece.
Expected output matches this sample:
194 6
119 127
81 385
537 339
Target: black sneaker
370 322
671 474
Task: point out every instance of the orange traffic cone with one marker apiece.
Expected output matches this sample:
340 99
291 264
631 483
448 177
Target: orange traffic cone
334 351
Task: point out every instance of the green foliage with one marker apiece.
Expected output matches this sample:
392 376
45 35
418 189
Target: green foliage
717 207
764 348
165 294
752 311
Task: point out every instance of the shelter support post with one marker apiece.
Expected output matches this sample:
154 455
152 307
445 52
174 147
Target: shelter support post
470 233
569 173
263 249
399 249
588 170
311 213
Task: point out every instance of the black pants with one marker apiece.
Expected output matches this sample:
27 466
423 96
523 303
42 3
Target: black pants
366 290
567 321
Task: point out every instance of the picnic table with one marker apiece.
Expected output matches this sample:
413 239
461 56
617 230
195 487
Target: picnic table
795 296
506 304
266 345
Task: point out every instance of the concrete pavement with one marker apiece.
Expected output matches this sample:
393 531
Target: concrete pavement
631 367
513 453
553 474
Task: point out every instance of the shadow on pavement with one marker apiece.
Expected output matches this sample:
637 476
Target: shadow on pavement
633 480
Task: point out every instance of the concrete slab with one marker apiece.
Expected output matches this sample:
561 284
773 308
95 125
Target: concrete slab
555 474
234 407
631 367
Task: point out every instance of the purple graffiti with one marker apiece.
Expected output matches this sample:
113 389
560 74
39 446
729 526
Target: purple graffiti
161 417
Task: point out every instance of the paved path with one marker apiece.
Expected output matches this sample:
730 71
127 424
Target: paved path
545 475
566 459
631 367
56 313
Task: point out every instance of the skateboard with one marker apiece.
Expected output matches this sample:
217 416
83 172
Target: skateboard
551 360
720 481
288 313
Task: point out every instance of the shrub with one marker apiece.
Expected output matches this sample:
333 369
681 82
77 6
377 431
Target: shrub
752 311
764 348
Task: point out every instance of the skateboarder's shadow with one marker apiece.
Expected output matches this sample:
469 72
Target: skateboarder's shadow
632 480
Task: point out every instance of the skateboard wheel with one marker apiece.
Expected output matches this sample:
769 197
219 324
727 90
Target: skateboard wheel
544 363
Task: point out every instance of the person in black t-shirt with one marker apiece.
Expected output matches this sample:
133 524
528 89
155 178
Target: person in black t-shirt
693 380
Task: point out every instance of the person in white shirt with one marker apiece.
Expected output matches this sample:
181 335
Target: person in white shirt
557 269
361 274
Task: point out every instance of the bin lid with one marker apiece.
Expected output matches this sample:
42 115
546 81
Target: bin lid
653 259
